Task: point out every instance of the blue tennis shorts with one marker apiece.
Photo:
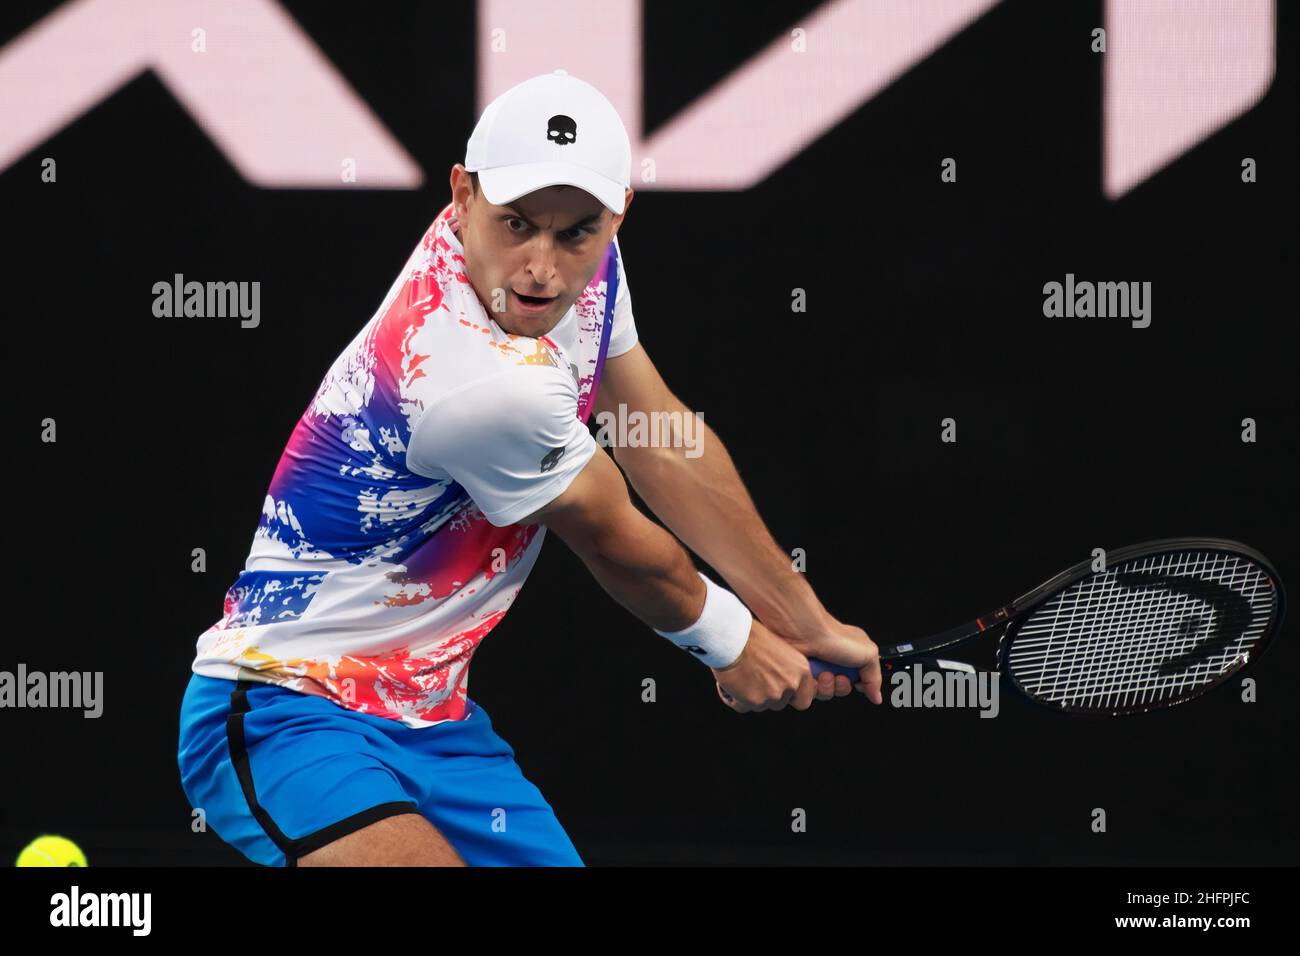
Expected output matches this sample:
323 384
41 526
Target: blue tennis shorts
278 774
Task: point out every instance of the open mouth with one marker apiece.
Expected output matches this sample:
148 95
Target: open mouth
533 302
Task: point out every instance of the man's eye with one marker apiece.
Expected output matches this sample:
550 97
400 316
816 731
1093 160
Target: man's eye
570 235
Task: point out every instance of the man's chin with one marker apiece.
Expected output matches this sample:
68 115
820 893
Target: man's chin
530 325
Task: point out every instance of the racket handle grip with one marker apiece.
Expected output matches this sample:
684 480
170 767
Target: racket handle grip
819 665
929 663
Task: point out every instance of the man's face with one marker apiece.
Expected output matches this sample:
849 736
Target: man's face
530 259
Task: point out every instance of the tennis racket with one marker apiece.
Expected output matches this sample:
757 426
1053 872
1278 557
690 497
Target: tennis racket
1165 622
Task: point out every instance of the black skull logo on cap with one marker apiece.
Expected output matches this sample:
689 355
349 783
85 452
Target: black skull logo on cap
561 130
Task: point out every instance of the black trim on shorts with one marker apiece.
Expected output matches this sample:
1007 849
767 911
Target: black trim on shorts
292 849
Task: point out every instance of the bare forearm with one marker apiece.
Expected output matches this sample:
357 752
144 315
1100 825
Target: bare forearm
648 572
641 565
707 506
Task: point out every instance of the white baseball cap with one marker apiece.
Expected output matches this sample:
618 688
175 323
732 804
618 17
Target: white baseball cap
551 130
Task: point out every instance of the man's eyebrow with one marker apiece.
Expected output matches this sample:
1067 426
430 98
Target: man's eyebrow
581 222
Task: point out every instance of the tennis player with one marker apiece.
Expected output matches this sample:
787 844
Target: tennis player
328 719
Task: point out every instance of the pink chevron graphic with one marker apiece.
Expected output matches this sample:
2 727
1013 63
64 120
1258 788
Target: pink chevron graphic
1175 72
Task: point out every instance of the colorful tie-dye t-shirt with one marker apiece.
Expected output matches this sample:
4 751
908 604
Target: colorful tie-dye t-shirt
388 545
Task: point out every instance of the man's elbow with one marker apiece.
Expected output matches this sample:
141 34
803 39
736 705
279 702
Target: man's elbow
590 510
648 461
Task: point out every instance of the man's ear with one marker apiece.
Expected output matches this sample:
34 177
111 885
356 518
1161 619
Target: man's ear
618 220
462 191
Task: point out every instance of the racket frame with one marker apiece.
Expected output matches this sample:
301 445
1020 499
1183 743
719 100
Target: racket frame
1009 616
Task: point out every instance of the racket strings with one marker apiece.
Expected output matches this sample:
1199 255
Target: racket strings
1148 632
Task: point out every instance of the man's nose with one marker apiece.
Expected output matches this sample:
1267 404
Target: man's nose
541 259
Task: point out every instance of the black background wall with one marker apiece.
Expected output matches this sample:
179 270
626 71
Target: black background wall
924 302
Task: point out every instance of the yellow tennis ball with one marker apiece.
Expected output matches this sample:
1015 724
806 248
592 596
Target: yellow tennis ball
51 851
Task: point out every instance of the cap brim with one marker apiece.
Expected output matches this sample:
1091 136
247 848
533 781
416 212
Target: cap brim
503 184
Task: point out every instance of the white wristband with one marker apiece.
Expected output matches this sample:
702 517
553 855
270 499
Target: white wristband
722 630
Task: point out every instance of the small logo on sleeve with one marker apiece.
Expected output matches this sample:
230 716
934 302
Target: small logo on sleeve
552 458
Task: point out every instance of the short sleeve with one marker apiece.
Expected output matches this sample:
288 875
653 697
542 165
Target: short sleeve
513 440
623 335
